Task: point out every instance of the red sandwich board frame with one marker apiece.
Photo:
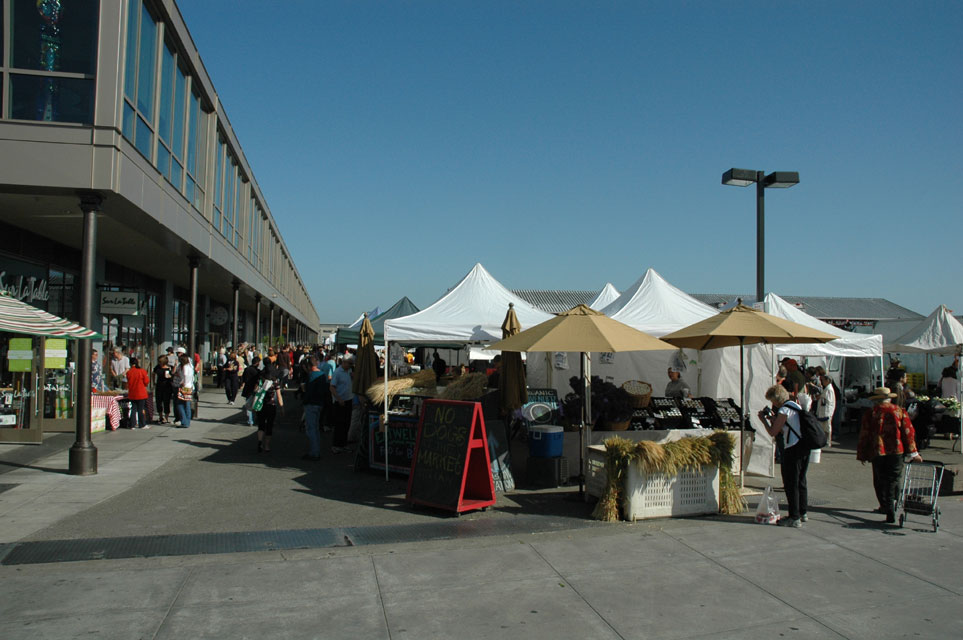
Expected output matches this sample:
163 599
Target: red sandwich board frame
476 487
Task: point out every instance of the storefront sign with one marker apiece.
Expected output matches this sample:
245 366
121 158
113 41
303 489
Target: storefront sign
19 354
55 353
29 289
119 303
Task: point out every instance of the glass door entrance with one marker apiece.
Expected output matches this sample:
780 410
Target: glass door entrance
19 422
58 384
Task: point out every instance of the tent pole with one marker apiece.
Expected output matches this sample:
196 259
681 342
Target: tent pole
742 416
586 418
387 372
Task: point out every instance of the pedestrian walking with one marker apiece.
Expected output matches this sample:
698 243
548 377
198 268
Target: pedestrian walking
783 419
163 389
343 399
137 381
885 436
271 403
315 388
231 381
183 382
249 380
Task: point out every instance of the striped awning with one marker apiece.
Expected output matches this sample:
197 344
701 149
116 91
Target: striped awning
20 317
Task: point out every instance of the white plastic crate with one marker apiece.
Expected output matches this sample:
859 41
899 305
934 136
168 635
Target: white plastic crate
657 495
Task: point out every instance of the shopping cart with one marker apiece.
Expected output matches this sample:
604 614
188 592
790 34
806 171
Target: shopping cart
921 488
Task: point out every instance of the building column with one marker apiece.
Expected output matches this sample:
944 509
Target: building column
194 263
237 294
257 321
83 453
271 325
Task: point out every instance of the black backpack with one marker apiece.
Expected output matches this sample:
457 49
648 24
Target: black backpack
812 436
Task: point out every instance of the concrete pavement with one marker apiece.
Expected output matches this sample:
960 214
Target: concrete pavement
844 575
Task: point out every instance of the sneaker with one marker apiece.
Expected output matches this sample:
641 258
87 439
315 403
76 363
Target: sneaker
796 524
804 517
146 426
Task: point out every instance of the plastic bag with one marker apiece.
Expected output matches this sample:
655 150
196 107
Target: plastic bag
768 510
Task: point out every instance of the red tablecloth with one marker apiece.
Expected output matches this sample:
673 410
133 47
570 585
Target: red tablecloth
110 404
113 408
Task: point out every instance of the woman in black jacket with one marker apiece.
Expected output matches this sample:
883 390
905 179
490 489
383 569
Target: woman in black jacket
163 389
248 384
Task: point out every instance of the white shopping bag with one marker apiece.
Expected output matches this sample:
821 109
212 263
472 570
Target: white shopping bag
768 510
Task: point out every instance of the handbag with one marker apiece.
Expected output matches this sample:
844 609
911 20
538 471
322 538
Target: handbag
260 393
185 394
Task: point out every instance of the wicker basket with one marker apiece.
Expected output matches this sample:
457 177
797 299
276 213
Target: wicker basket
621 425
639 392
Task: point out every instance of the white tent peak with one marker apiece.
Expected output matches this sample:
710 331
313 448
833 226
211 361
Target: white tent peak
606 296
471 312
655 306
939 333
371 314
849 344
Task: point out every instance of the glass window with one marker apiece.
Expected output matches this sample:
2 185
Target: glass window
51 99
130 69
145 64
164 114
47 36
142 137
180 93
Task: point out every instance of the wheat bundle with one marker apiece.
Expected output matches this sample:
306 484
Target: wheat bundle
466 387
421 379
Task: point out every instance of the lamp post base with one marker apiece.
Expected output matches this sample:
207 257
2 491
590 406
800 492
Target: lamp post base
83 460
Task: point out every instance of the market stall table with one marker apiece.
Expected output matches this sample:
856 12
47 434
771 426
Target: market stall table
111 403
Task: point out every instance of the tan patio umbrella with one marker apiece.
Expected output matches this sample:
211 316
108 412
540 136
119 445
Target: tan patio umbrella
512 390
586 330
366 365
740 326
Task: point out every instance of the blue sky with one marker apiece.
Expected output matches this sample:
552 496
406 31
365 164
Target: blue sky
570 144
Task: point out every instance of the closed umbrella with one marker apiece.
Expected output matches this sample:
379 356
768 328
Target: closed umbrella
586 330
366 364
512 390
740 326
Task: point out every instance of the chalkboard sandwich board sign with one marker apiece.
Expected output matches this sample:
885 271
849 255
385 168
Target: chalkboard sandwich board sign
451 468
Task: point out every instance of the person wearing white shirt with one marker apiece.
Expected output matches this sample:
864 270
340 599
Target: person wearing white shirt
183 382
826 407
949 384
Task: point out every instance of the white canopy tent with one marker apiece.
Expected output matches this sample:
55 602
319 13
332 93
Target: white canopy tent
607 295
471 312
657 307
847 344
939 333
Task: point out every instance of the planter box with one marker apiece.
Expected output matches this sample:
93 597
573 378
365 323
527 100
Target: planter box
657 495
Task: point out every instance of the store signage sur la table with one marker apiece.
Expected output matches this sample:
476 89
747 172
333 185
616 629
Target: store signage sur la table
121 303
29 289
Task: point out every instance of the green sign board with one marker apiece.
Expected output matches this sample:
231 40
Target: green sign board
19 354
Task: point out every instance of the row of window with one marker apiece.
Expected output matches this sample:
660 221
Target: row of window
49 59
176 138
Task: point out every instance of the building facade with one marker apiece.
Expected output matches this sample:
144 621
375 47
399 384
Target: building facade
106 105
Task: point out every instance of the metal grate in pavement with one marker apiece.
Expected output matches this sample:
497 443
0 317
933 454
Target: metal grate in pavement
48 551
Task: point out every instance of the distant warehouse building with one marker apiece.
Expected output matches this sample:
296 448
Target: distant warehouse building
107 108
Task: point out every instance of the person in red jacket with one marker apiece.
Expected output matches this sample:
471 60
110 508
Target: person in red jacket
137 381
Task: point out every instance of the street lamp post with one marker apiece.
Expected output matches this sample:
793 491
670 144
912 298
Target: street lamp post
777 180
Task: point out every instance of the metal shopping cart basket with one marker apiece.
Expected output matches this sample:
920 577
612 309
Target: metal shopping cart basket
921 488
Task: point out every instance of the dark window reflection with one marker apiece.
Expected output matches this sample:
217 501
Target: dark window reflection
55 35
51 99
